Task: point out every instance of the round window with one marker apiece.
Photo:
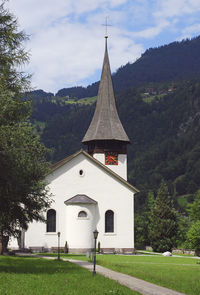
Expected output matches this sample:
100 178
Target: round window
82 214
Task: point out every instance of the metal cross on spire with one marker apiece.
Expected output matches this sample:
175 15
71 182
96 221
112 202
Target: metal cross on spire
106 25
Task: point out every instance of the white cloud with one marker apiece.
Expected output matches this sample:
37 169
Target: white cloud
190 31
75 55
65 50
66 36
171 8
152 31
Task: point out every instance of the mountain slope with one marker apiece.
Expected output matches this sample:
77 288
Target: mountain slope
178 60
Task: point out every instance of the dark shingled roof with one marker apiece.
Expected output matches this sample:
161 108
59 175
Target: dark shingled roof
80 199
105 124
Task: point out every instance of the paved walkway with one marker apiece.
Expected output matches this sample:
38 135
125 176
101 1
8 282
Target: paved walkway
138 285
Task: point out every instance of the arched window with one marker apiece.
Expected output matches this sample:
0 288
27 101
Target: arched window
82 214
109 221
51 221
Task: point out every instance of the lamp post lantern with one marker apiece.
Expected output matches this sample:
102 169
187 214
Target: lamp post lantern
58 245
95 233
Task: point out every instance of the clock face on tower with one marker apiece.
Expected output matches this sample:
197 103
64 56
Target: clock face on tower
111 158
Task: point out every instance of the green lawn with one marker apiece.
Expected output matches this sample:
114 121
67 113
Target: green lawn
178 273
35 276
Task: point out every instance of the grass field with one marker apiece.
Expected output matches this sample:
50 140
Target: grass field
178 273
34 276
86 100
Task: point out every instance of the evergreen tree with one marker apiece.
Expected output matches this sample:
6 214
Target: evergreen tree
163 227
142 222
193 234
22 157
150 202
12 53
193 237
194 208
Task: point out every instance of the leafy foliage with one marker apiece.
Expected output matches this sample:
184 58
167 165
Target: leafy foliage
194 208
12 53
193 236
163 226
22 157
142 221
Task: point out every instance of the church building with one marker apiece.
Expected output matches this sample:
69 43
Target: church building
90 188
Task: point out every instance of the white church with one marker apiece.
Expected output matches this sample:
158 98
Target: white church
90 188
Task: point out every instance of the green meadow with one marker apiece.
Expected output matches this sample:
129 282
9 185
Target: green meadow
35 276
83 101
180 274
32 276
177 273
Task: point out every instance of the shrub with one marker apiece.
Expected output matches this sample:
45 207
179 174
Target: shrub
193 237
66 247
99 247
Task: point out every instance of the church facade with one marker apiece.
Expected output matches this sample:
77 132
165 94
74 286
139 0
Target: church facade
89 188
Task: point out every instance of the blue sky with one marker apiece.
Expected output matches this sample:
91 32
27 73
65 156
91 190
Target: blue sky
67 37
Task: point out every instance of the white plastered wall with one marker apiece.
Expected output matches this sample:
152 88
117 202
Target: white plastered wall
120 169
98 184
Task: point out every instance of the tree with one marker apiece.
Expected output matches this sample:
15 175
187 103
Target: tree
12 53
142 222
193 234
163 227
184 224
23 193
140 230
150 202
193 237
194 208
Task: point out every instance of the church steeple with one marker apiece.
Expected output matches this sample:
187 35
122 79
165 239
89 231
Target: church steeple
105 124
106 133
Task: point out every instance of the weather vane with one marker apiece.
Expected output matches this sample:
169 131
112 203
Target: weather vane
106 25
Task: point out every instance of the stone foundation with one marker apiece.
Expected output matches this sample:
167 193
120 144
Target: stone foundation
183 251
80 251
83 250
118 250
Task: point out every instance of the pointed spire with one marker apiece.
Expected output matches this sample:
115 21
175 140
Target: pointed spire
105 124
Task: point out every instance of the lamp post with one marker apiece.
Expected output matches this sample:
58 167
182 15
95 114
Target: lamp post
58 245
95 233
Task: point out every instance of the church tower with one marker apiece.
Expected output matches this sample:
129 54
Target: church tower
105 138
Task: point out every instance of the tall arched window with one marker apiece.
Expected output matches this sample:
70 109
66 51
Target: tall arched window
109 221
51 221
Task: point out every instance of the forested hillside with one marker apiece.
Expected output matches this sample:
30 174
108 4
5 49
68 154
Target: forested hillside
162 120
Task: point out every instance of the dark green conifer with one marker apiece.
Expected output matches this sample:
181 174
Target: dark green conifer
163 227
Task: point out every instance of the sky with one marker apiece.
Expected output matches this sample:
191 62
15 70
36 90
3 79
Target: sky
66 37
